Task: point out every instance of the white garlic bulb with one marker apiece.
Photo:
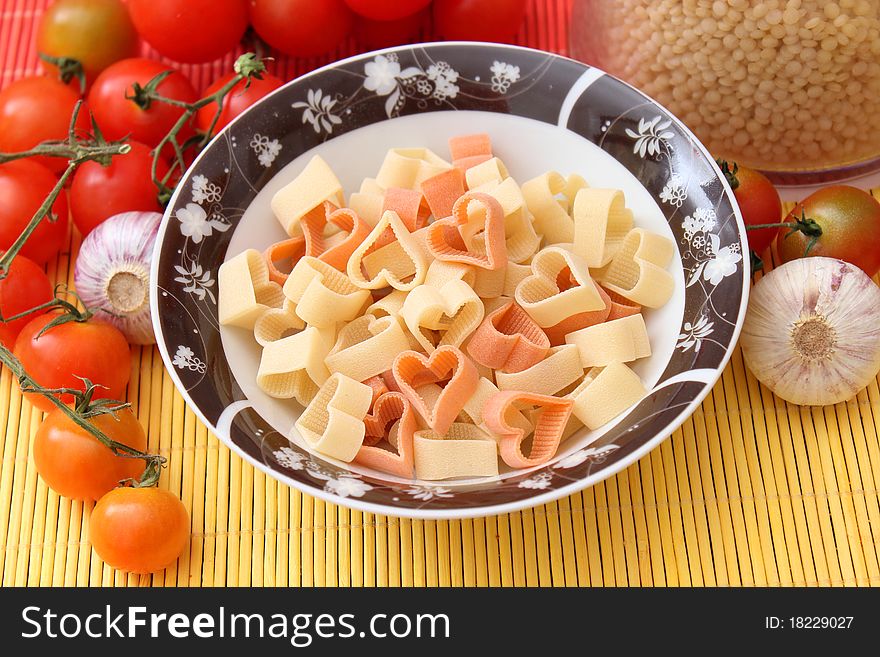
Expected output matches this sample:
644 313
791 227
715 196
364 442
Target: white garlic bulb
812 331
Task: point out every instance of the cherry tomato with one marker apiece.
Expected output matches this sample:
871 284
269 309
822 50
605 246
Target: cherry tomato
386 10
191 31
850 223
236 101
140 530
26 286
24 185
301 27
478 20
382 34
119 116
758 202
99 192
96 33
38 109
93 350
74 464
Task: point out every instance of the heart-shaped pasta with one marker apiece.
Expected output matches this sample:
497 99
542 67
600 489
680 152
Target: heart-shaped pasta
519 234
508 340
293 367
409 204
445 240
333 422
245 290
277 323
637 272
336 249
462 451
617 341
407 167
412 370
392 418
367 346
323 295
605 393
547 298
444 315
551 219
553 416
291 249
314 185
403 265
601 222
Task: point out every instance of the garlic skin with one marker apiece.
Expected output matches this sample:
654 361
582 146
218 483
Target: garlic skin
812 331
113 272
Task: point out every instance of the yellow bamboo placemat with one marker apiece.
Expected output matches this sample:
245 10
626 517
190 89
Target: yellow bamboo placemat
749 491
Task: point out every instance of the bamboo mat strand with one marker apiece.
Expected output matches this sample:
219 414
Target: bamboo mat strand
750 491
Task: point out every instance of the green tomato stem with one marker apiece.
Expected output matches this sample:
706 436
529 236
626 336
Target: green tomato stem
85 408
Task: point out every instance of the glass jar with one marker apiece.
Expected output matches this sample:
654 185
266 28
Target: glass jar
788 86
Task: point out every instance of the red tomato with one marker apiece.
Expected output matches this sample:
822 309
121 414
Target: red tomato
38 109
118 116
301 27
758 202
25 286
140 530
92 350
850 223
96 33
126 185
74 464
386 10
382 34
236 101
191 31
478 20
24 185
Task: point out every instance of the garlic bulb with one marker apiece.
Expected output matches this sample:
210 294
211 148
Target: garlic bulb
113 272
812 331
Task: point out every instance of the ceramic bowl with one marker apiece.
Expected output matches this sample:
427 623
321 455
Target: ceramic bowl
542 112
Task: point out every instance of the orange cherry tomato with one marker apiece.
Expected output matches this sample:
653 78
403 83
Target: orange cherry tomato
93 350
24 185
236 101
74 464
38 109
850 223
25 286
96 33
140 530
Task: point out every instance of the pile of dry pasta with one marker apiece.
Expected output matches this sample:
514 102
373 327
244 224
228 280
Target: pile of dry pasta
446 315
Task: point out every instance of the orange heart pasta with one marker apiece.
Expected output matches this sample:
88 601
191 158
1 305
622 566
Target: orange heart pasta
450 322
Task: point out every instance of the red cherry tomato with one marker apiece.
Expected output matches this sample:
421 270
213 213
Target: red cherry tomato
850 223
478 20
386 10
191 31
758 202
140 530
93 350
236 101
74 464
96 33
99 192
24 185
26 286
38 109
301 27
373 35
118 116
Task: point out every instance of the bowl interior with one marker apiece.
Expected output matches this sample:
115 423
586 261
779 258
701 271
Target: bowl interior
552 114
